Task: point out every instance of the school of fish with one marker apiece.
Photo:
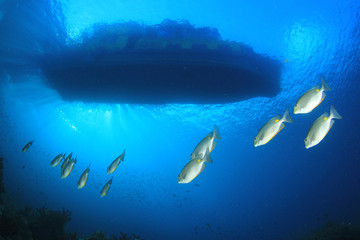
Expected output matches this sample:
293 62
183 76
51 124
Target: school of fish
200 156
306 103
69 163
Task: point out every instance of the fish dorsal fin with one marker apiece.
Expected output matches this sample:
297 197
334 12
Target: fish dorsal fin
277 117
325 116
317 88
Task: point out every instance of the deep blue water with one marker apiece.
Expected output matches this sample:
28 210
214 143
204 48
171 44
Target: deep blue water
274 191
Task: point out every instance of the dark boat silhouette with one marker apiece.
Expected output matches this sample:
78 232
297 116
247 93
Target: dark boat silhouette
172 62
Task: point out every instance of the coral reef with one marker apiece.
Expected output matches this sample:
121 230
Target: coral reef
14 225
99 235
41 223
124 236
334 231
2 189
49 224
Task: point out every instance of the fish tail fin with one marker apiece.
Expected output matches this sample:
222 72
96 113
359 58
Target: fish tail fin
216 133
334 113
207 157
123 155
286 117
324 85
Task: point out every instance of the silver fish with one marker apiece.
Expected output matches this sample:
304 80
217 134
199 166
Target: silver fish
207 142
106 188
115 163
68 168
83 178
271 128
193 168
67 159
57 160
27 146
320 128
312 98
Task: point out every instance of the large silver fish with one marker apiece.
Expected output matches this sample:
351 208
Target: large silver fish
57 160
207 143
68 168
115 163
67 159
321 127
27 146
271 128
106 188
193 168
83 178
312 98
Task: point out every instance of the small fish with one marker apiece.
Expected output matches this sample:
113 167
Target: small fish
193 168
65 162
106 188
57 160
115 163
27 146
207 142
83 178
271 128
68 168
321 127
312 98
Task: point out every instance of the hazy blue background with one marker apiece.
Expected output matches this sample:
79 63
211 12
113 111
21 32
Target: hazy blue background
271 192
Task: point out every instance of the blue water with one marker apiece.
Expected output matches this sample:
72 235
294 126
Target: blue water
275 191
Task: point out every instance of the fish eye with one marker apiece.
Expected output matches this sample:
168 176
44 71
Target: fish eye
254 138
305 139
295 105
